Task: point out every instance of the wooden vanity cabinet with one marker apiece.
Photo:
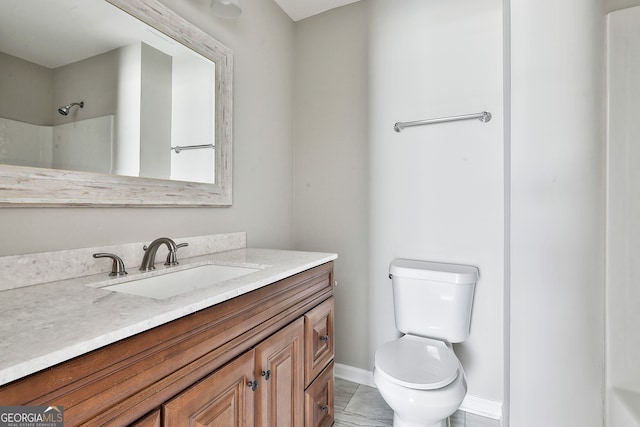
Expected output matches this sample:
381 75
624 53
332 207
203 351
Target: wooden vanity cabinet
199 369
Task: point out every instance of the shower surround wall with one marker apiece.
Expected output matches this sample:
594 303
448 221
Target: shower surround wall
623 222
84 145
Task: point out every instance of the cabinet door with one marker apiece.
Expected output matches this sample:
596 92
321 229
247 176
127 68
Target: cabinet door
318 340
224 398
151 420
279 365
318 400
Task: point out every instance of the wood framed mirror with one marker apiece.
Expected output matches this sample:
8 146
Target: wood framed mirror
26 185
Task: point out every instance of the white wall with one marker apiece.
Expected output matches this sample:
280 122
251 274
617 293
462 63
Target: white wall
437 191
192 118
262 41
84 145
623 213
127 109
432 193
25 144
155 113
557 206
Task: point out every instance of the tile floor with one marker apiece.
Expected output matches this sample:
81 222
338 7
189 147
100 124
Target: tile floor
358 405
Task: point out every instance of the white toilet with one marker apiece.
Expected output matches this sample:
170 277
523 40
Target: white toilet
418 375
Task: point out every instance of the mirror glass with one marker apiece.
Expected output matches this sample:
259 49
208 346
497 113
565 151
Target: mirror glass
87 86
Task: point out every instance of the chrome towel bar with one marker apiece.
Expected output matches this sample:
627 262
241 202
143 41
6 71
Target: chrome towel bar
484 117
179 148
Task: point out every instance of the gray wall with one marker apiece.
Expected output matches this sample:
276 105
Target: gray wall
27 91
331 177
611 5
262 42
93 80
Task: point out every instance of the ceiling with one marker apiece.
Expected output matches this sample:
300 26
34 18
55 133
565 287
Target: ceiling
81 27
300 9
56 33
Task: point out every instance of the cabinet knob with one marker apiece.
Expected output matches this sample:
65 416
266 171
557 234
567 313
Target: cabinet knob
253 385
324 338
266 374
324 408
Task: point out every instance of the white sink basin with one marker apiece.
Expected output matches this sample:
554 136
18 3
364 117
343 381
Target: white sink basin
181 281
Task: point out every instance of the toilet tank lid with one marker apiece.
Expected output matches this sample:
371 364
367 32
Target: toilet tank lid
434 271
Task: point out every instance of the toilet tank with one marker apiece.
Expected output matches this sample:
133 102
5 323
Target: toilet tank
433 299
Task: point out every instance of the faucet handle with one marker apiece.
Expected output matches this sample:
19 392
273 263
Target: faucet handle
117 268
172 257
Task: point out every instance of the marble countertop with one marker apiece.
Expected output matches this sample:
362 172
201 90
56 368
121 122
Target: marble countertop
46 324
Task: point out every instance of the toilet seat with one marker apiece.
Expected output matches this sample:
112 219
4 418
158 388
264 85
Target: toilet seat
417 363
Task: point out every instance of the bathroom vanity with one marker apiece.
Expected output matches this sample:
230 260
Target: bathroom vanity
263 355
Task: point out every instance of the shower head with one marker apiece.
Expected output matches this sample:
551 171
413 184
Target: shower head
65 110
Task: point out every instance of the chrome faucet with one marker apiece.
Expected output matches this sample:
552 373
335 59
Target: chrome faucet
149 258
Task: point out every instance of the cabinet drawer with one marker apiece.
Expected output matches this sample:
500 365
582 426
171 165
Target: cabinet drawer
318 340
318 400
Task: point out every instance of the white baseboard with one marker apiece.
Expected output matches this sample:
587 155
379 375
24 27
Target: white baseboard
353 374
472 404
483 407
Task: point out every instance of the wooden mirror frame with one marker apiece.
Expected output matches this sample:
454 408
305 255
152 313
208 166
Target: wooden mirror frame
27 186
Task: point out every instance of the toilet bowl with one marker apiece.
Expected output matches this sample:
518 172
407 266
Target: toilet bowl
419 375
421 380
